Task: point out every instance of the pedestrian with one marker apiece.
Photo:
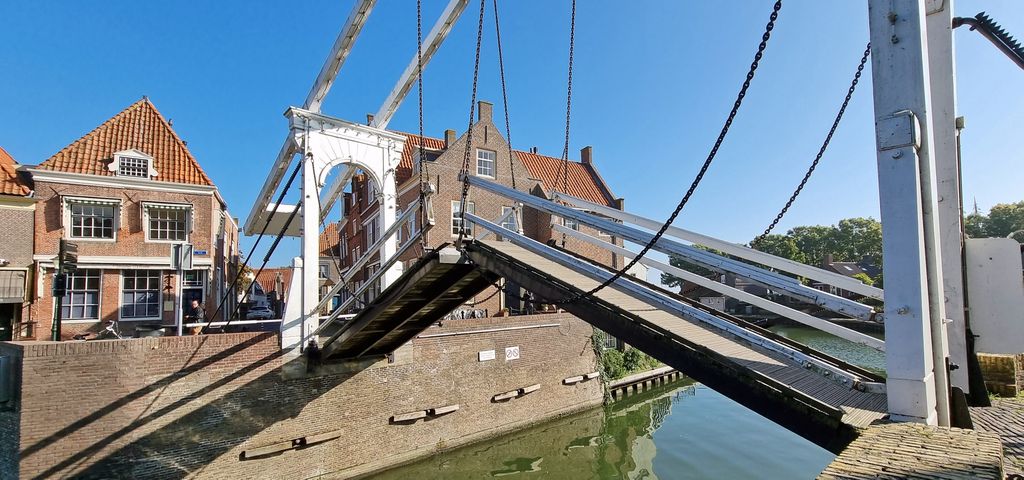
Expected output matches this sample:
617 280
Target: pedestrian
196 314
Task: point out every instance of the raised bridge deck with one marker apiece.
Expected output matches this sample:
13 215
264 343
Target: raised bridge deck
790 392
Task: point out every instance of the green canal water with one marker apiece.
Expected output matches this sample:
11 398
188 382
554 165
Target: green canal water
678 431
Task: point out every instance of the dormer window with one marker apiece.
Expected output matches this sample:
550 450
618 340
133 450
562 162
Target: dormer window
132 163
133 167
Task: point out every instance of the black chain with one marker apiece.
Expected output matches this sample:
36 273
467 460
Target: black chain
568 104
704 168
504 97
469 130
422 170
824 146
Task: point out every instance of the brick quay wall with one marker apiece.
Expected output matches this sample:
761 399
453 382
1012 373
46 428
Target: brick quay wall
235 406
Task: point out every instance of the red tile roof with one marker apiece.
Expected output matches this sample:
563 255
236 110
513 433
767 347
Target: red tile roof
582 180
140 126
329 239
268 279
412 141
11 182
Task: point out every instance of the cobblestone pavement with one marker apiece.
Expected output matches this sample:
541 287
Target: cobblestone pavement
1006 418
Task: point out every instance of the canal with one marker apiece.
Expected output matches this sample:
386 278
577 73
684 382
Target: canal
681 430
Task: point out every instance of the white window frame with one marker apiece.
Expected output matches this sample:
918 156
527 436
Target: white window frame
511 221
159 296
456 206
571 223
67 217
493 160
147 227
132 154
99 298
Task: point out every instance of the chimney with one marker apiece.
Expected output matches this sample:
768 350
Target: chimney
826 262
449 138
485 111
587 154
369 119
533 150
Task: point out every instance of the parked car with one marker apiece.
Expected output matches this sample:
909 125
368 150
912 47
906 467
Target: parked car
261 312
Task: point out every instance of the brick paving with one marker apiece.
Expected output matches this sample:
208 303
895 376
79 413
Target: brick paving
1006 418
914 451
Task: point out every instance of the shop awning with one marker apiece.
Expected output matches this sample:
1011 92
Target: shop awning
12 286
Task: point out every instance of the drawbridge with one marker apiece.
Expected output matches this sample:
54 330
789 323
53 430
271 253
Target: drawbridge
820 397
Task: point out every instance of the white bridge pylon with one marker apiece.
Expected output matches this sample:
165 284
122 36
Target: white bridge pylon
327 144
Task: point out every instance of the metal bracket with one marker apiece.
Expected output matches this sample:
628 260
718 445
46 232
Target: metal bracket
899 130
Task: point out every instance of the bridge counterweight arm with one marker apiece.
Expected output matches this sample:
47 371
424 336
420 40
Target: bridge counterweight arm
324 80
434 39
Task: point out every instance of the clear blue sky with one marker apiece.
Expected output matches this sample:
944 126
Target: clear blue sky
652 87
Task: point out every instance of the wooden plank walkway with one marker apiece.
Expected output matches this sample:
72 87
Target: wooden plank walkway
919 452
1005 418
859 409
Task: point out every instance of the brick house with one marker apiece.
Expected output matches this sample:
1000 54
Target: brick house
125 192
534 173
17 215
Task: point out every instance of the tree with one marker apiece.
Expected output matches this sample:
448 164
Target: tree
974 225
1004 219
815 241
857 238
245 279
779 245
864 278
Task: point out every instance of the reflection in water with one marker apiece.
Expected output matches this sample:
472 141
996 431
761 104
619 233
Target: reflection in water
860 355
681 430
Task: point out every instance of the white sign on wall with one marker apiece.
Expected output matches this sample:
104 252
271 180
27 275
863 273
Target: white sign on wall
512 353
485 355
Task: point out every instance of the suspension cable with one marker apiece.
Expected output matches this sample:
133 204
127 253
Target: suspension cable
263 231
704 168
564 166
504 97
423 174
469 130
824 146
568 104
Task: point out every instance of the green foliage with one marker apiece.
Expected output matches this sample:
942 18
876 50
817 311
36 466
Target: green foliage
636 361
779 245
865 279
850 240
613 363
245 278
1004 219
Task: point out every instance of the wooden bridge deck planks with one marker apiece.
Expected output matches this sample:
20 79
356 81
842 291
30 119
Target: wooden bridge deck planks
860 408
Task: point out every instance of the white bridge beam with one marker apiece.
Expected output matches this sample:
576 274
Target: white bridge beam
779 283
792 314
433 41
740 251
324 80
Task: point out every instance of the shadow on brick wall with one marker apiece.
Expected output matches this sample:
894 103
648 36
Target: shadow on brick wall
186 445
